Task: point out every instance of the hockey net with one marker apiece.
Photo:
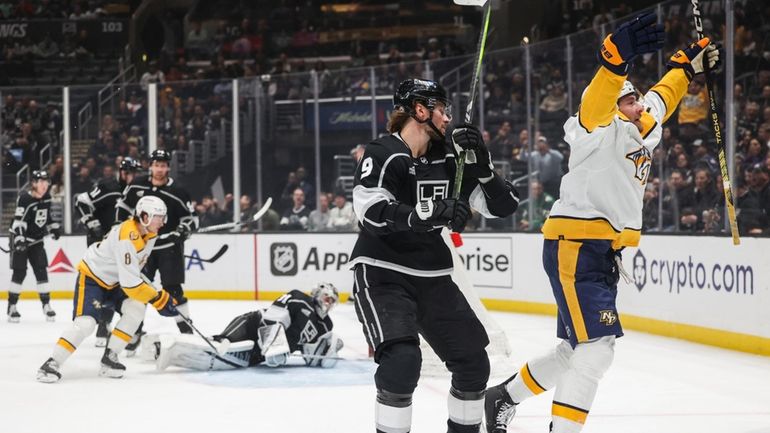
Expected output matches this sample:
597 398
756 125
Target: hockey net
499 349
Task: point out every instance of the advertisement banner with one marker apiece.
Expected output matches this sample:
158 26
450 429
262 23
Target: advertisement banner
347 115
101 35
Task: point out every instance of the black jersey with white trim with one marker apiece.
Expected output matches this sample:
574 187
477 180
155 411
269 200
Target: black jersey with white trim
32 217
389 175
296 312
178 204
99 203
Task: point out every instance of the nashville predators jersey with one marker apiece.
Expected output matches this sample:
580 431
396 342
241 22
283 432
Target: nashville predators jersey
610 161
117 261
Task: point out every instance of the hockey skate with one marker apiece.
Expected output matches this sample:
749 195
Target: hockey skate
499 409
133 345
102 335
111 367
50 314
49 372
13 314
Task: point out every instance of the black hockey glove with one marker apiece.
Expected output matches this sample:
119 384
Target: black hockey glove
165 304
95 229
435 214
478 161
20 244
184 232
55 231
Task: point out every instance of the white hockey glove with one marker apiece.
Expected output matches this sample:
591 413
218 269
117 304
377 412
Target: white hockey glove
274 345
323 353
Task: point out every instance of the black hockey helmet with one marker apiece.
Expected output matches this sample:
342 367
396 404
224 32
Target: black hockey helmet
129 164
40 175
160 155
426 92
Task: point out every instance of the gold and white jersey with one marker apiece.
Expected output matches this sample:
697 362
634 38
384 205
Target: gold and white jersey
118 260
610 160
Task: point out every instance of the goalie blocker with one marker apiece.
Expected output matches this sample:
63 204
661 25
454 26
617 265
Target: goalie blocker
295 322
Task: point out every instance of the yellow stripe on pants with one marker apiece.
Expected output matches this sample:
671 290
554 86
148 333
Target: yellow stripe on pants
569 412
569 252
81 294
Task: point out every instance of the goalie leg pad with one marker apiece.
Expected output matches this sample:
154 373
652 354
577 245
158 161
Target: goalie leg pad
189 351
576 391
274 345
399 366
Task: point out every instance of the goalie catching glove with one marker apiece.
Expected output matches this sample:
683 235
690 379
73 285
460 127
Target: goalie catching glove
691 58
322 353
478 161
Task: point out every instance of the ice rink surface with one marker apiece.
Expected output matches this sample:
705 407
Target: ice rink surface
656 385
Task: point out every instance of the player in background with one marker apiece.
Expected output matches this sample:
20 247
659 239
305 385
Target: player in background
402 267
599 212
294 322
110 276
31 223
97 214
168 255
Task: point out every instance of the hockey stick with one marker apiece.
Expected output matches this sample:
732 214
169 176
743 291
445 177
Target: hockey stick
213 258
726 184
28 245
229 226
457 239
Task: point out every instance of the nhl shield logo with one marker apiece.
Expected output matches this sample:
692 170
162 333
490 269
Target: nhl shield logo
283 259
640 270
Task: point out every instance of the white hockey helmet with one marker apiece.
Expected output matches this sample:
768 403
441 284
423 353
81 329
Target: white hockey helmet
326 297
628 89
152 206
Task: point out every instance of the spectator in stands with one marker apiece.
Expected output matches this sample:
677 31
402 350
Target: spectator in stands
753 152
210 213
693 110
547 162
287 194
83 182
749 119
542 202
703 157
553 108
759 183
319 218
677 196
342 218
153 75
501 146
705 199
305 185
683 165
296 218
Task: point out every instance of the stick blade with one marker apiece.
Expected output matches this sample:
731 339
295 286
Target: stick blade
470 2
219 253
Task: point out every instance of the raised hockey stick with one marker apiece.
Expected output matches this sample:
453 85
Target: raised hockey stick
213 258
726 184
229 226
457 239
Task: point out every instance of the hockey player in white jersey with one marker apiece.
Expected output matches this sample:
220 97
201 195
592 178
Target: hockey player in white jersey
109 276
599 212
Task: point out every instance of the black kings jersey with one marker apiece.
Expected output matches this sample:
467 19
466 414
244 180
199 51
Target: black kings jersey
99 203
296 312
32 216
388 173
180 210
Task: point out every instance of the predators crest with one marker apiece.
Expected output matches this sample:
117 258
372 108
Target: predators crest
642 160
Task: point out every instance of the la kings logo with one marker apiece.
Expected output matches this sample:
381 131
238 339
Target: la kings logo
283 259
432 190
41 216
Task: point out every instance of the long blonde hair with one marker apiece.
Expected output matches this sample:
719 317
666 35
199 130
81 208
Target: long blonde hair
397 120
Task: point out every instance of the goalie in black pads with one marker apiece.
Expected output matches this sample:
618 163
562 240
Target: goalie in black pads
294 322
402 265
31 223
97 214
168 255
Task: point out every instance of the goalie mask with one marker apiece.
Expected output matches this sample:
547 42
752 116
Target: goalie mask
326 297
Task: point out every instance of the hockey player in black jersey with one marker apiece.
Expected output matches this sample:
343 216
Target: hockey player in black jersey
295 322
402 266
97 214
31 223
168 254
